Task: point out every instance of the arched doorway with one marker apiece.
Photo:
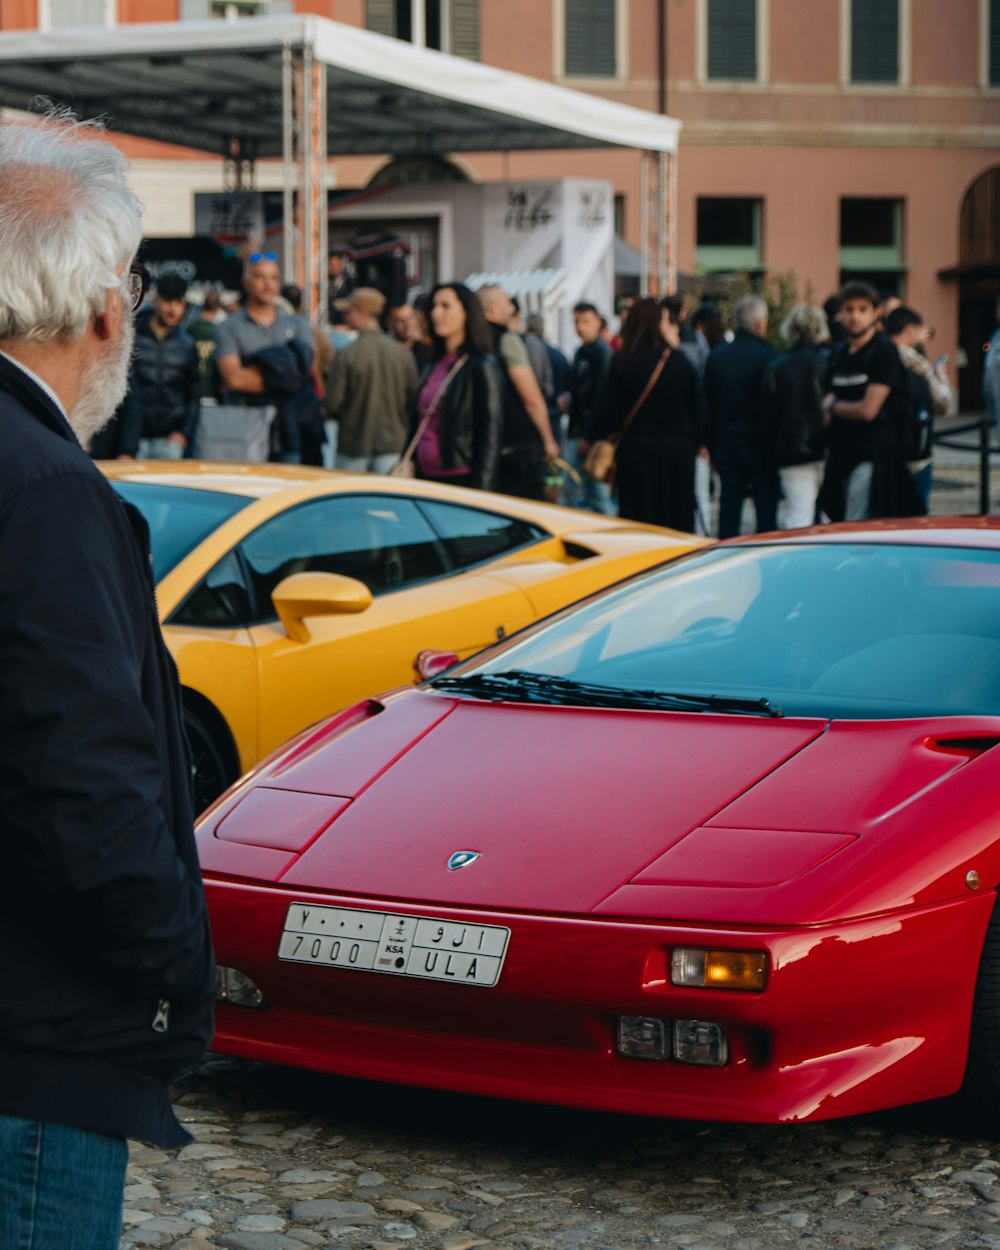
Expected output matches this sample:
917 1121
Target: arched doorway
387 240
978 274
410 171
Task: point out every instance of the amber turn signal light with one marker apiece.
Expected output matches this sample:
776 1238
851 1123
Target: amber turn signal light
720 970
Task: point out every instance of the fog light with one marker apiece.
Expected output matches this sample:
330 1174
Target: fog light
722 970
233 986
697 1041
642 1037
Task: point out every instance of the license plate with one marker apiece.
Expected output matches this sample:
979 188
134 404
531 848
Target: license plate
404 946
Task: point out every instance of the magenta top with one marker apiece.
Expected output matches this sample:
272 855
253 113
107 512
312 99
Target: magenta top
428 454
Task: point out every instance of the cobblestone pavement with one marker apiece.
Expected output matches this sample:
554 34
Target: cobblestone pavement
955 489
286 1160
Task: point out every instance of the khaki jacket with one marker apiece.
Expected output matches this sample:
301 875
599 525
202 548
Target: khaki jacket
370 392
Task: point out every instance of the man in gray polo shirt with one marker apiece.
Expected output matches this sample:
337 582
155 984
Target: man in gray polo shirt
259 324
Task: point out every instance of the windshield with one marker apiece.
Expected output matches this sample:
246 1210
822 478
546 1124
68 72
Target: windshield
827 629
178 518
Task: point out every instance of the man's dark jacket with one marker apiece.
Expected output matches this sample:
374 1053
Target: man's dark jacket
588 378
164 387
106 970
733 407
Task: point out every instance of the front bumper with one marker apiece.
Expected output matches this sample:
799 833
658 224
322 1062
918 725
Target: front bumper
855 1017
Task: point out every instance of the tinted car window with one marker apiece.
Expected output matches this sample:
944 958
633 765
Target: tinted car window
832 629
178 518
382 541
472 535
219 601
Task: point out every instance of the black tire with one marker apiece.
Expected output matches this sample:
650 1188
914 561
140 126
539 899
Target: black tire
981 1088
210 771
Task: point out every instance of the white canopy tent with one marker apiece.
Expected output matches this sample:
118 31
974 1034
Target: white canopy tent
304 88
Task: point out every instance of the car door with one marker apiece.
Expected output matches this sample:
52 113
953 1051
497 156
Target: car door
208 638
386 542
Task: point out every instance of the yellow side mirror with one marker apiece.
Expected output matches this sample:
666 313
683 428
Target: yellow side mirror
303 595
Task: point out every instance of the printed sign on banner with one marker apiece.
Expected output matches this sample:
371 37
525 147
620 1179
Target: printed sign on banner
522 225
233 218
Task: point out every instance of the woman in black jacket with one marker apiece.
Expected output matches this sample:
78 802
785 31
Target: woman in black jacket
460 401
793 409
657 449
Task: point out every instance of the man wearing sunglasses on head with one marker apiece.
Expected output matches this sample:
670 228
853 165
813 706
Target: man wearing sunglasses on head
261 325
106 969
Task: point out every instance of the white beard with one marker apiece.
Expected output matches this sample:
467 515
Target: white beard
103 384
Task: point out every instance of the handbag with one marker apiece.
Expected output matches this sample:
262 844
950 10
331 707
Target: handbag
404 466
234 432
600 459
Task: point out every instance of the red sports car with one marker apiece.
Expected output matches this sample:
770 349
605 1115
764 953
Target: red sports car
721 842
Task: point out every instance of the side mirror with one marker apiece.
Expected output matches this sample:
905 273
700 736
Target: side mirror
430 664
316 594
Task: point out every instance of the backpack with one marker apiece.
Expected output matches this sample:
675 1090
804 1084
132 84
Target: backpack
916 417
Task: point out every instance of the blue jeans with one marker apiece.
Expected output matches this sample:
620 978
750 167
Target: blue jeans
377 462
160 449
59 1187
595 496
922 480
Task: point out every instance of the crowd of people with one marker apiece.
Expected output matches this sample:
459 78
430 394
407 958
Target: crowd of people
458 387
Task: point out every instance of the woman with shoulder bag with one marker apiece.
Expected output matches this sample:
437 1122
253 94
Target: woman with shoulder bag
652 411
459 405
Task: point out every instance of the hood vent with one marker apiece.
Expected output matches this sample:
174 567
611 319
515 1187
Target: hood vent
969 744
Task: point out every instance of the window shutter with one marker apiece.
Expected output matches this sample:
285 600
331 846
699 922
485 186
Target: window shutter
994 43
77 13
590 38
380 16
732 39
875 40
463 27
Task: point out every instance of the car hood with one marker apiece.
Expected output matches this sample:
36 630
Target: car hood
651 815
562 805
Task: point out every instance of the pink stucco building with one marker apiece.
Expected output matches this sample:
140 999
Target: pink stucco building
830 137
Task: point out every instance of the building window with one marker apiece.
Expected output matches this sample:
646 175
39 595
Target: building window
875 41
994 44
619 216
449 25
55 14
732 39
591 38
871 242
232 10
728 234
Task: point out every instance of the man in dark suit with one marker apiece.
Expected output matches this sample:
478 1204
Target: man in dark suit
734 374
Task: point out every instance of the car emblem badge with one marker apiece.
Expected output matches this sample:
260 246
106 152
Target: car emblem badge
461 859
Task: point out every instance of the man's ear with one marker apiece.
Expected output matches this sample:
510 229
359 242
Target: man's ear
108 322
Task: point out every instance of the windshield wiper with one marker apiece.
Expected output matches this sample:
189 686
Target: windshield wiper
519 686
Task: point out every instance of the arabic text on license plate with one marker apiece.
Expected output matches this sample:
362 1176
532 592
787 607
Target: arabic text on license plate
408 946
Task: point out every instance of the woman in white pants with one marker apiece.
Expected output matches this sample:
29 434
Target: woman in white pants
793 403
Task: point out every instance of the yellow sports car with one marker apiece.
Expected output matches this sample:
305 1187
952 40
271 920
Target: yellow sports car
287 593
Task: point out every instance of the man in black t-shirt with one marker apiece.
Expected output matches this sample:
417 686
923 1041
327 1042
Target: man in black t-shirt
866 474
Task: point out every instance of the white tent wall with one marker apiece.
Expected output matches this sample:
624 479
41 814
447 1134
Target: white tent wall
565 224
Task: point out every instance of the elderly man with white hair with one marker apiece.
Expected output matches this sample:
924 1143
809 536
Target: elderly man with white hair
106 971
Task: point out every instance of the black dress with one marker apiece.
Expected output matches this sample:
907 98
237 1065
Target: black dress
655 464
